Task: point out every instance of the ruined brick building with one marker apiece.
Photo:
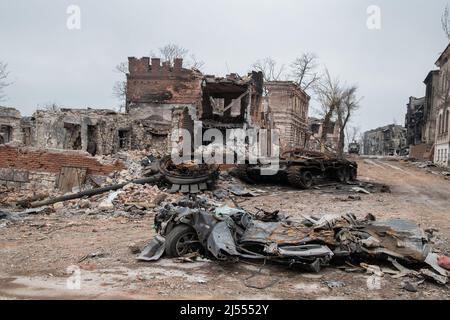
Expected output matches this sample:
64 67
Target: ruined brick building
385 141
316 127
51 148
165 97
289 109
10 125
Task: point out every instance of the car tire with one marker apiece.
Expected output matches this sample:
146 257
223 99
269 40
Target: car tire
182 240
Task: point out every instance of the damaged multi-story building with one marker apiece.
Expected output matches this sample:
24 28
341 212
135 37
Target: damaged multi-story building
385 141
289 106
163 97
316 128
414 120
442 140
417 122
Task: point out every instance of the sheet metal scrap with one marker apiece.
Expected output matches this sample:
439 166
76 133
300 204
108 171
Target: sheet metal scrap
398 238
229 233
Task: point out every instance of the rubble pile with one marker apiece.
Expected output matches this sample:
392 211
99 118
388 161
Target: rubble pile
139 196
10 197
135 162
135 199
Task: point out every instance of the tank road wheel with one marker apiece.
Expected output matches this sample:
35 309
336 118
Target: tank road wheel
342 175
182 240
353 173
300 178
307 179
241 171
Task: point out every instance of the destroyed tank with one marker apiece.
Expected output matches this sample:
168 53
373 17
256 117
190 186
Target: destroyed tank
301 169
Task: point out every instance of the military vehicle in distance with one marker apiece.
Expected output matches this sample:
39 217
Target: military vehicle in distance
300 168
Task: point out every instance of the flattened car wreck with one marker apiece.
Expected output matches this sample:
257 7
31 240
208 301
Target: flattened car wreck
195 225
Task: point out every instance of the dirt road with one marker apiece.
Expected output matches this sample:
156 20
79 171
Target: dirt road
88 256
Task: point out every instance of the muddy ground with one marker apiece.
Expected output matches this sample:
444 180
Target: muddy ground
89 256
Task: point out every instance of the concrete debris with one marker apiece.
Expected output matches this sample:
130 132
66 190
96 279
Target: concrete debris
428 274
107 204
98 254
403 271
238 190
334 284
373 269
409 286
360 190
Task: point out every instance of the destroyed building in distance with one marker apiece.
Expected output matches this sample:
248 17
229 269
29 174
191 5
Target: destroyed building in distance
389 140
427 118
426 134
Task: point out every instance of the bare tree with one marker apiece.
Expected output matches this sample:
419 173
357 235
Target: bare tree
344 111
304 71
171 51
195 63
445 21
120 87
329 93
3 79
268 66
51 106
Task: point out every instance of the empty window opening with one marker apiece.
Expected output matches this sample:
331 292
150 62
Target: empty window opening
26 136
72 139
92 139
5 134
124 139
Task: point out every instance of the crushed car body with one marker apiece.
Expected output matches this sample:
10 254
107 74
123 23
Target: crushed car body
197 225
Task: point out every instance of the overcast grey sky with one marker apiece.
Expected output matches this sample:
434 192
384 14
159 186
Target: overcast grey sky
74 68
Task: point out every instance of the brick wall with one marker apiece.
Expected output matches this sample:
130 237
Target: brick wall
421 151
52 161
147 83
